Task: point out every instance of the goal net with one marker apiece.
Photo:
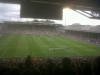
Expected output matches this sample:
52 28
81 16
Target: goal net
60 52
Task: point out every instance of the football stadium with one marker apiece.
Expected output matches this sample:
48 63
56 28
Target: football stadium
38 38
19 40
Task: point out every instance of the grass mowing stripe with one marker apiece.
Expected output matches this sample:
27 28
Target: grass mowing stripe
22 48
12 47
4 42
48 41
82 49
33 53
5 45
4 52
3 37
40 44
39 40
33 46
67 44
62 52
84 45
71 51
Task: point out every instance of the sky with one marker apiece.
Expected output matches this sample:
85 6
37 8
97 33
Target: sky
11 12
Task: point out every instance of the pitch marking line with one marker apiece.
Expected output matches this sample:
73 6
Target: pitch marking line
4 52
33 53
41 52
20 56
76 52
90 49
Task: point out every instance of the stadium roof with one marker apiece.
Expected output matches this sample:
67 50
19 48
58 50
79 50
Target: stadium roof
88 3
84 28
82 5
32 23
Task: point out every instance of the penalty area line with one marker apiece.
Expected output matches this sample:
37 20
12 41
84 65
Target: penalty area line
20 56
4 51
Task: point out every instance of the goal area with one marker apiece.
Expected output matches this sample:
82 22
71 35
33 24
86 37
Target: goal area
60 52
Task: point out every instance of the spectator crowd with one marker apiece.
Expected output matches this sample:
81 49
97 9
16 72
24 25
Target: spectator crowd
29 30
51 30
84 36
51 66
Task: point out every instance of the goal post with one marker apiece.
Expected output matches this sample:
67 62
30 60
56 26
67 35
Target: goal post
58 52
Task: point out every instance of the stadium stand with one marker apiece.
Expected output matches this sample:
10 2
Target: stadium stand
80 32
84 33
26 28
31 30
85 28
51 66
96 29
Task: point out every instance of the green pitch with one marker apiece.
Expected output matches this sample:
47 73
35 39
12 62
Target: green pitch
21 45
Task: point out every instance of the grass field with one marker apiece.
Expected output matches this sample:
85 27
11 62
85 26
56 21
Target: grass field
21 45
